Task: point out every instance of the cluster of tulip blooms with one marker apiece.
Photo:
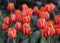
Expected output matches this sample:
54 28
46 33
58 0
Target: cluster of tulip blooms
22 20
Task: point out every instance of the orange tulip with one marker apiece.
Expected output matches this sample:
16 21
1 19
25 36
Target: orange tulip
27 19
57 29
10 6
57 19
50 7
41 23
18 12
18 25
6 20
36 10
19 18
44 15
12 33
12 18
4 26
26 29
24 6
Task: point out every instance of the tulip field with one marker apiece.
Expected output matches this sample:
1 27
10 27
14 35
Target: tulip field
30 25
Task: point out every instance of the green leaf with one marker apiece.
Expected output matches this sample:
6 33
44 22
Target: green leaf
34 37
43 40
14 41
25 41
1 40
9 40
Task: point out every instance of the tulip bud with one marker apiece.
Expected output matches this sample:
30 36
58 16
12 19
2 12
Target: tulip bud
18 12
35 10
26 25
19 18
18 25
41 23
12 33
6 20
12 18
24 6
4 26
44 15
42 9
57 19
10 6
57 29
50 7
26 19
26 29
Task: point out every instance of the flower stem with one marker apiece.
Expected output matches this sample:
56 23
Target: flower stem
14 41
49 39
55 39
54 14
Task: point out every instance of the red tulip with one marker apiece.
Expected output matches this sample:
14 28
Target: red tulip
18 12
35 10
50 22
12 33
50 7
57 29
26 25
50 28
41 23
19 18
26 29
42 8
4 26
10 6
29 12
18 25
24 6
6 20
12 18
44 15
57 19
26 19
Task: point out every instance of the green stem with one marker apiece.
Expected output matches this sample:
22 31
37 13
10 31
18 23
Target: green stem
49 39
54 14
1 16
55 39
14 41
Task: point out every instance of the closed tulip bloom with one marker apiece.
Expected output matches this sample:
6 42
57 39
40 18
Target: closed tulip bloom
35 10
50 7
26 29
57 29
44 14
4 26
57 19
27 19
10 6
18 25
19 18
24 6
42 8
12 33
12 18
26 25
6 20
41 23
18 12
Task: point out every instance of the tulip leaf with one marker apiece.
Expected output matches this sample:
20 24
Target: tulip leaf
25 41
43 40
9 40
1 40
34 37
